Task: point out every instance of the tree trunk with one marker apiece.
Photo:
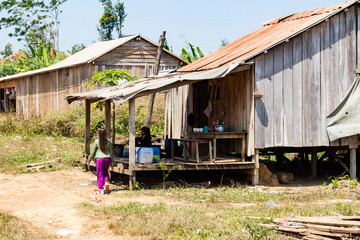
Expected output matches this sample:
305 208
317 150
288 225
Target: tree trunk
156 71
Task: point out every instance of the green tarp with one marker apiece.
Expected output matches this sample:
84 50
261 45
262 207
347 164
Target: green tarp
344 121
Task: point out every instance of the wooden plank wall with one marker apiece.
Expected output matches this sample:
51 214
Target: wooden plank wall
303 80
176 106
234 106
46 92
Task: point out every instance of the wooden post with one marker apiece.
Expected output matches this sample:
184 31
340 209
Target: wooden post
132 177
353 148
156 71
314 160
255 175
108 118
113 124
87 127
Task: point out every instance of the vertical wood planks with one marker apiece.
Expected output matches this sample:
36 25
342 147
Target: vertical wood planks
324 79
259 104
306 107
278 113
269 98
288 94
314 87
297 92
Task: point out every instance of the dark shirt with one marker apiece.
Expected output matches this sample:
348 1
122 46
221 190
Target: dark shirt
143 142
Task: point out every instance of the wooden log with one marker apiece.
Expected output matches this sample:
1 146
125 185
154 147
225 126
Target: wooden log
156 72
327 221
284 177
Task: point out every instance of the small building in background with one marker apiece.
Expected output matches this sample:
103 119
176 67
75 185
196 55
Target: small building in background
44 90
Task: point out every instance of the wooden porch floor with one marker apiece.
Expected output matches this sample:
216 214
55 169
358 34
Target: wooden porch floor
122 166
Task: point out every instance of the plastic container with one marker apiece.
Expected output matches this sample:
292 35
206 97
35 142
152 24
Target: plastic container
126 152
144 155
156 152
118 150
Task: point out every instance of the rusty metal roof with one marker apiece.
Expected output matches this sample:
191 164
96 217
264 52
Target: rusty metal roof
272 33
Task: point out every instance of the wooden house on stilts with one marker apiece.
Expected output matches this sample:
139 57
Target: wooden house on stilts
276 89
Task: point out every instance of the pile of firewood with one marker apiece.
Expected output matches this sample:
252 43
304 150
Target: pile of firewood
273 178
340 227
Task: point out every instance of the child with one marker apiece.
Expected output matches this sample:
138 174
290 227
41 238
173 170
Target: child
102 152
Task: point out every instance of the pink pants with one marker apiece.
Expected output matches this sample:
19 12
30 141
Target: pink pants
102 167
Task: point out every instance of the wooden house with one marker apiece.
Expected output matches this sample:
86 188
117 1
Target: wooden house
43 90
274 88
302 66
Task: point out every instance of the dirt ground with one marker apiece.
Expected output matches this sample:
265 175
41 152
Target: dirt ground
49 199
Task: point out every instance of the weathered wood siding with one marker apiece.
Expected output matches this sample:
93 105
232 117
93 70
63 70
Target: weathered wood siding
45 92
303 80
233 105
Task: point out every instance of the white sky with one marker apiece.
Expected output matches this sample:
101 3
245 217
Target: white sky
203 22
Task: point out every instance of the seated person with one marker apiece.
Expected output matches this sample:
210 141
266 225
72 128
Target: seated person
145 139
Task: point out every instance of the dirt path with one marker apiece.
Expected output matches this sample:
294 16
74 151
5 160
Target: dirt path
48 200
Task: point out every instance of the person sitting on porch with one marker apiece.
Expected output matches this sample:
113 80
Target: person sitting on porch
102 152
145 139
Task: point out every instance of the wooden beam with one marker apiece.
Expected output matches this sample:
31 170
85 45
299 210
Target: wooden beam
156 72
108 118
353 163
87 127
132 132
336 158
255 175
132 176
113 124
314 160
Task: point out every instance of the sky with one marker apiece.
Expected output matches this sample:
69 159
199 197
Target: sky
202 22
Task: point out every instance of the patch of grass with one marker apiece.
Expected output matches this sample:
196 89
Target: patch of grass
17 151
241 194
12 228
160 221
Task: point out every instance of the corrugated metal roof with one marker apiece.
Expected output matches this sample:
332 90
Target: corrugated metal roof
272 33
86 55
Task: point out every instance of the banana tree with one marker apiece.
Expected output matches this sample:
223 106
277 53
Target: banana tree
192 54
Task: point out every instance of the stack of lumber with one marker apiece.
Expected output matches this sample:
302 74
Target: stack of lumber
341 227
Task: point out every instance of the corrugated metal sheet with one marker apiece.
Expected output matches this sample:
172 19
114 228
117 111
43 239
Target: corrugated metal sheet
86 55
269 35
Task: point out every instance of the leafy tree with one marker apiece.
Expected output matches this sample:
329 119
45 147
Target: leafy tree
107 21
120 17
33 21
7 68
36 58
224 42
7 51
192 54
111 77
76 48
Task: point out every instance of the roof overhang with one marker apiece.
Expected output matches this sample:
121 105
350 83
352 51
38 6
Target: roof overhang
146 86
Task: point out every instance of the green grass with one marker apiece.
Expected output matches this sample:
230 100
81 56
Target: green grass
12 228
161 221
241 194
17 151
